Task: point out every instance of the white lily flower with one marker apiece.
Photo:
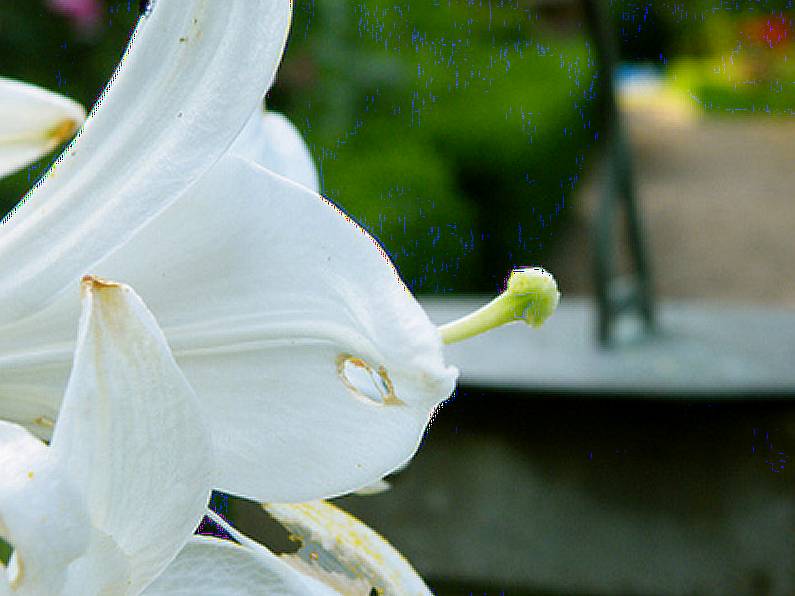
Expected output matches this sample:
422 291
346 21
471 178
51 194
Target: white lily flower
315 367
33 122
110 503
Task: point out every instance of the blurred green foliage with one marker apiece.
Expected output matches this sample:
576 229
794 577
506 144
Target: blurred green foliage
742 86
664 29
454 131
459 134
5 552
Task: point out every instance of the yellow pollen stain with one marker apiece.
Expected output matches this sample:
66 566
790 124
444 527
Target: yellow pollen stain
45 422
30 475
63 131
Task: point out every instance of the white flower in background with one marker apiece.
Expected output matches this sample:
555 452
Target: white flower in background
315 367
33 122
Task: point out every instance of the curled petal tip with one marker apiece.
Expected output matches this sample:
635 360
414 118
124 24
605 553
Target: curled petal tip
93 285
92 282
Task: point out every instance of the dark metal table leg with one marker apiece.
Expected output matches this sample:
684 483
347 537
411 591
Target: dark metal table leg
616 296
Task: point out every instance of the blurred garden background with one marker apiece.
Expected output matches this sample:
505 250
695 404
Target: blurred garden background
457 132
466 136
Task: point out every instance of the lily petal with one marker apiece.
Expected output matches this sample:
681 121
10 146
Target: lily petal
333 539
272 141
130 435
316 366
117 495
32 490
147 139
213 567
33 122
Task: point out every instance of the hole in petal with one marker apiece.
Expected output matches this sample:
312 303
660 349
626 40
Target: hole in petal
366 382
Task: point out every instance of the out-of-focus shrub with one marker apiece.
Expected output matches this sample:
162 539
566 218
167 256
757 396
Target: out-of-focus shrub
455 133
736 87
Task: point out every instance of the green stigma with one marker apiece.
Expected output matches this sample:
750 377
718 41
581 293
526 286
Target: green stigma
531 295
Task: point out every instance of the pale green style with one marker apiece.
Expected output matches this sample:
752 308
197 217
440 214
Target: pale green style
531 295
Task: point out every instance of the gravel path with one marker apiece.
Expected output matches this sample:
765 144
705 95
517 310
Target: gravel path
718 202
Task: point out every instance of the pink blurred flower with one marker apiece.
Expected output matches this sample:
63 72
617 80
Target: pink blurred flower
84 14
770 31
